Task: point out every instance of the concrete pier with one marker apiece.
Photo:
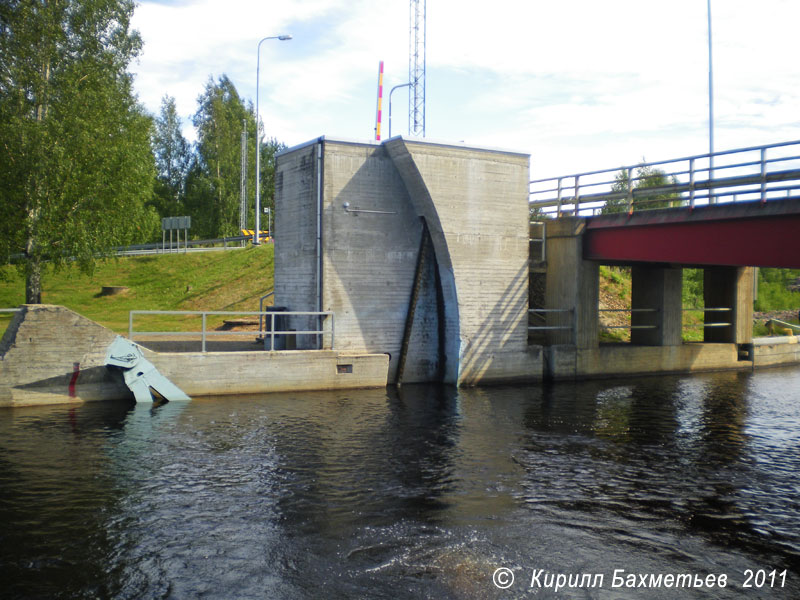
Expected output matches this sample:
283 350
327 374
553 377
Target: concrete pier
656 297
572 348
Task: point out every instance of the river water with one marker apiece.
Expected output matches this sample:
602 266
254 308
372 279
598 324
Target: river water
421 493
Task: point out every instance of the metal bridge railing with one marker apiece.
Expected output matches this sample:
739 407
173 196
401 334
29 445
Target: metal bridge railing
757 173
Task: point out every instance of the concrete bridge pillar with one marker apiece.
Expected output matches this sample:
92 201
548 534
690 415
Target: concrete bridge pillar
572 285
731 288
657 289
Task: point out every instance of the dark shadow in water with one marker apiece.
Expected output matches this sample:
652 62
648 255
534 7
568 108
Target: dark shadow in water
53 483
396 464
633 452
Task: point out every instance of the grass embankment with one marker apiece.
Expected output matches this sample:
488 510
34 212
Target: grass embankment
222 280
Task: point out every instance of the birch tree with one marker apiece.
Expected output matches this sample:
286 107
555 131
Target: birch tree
76 166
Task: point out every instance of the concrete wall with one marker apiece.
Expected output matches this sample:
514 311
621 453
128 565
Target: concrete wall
223 373
775 351
568 362
474 203
369 259
50 355
296 185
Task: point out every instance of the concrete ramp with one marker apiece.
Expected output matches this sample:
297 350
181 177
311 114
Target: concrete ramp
50 354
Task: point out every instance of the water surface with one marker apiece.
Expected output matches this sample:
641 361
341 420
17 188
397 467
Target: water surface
421 493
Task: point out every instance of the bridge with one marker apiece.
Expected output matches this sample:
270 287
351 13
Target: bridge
725 213
423 252
732 208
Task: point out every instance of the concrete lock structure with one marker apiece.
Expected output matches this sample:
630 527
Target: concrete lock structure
422 252
421 256
420 249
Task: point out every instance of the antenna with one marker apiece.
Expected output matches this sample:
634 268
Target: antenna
416 69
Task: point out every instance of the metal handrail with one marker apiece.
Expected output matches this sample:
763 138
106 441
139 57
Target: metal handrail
204 333
630 310
746 178
553 327
261 308
542 239
705 309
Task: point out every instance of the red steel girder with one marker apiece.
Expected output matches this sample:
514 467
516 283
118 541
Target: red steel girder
745 234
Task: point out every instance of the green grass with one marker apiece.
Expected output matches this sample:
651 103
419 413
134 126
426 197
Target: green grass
221 280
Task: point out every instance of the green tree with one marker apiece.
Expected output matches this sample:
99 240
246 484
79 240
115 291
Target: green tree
75 162
646 178
269 149
213 186
173 156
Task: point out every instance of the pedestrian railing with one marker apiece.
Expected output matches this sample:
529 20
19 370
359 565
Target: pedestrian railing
628 310
324 334
758 173
545 311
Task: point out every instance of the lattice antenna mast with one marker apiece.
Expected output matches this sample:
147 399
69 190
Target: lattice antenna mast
416 69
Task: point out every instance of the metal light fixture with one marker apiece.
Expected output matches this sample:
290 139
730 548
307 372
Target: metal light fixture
256 232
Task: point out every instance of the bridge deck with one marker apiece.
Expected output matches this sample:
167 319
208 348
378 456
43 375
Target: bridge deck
739 234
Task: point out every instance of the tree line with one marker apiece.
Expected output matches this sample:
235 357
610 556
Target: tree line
83 166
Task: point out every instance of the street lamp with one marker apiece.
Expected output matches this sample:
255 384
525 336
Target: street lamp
390 104
711 198
258 138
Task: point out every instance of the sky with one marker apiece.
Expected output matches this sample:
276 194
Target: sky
578 84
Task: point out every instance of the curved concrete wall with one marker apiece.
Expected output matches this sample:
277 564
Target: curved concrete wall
372 200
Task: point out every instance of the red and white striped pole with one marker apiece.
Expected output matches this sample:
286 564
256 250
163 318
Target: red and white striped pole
380 99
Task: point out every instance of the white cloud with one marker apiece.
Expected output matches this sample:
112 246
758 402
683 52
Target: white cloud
580 84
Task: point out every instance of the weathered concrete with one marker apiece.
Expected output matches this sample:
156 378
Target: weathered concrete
568 362
222 373
658 289
731 288
50 355
572 284
372 198
776 351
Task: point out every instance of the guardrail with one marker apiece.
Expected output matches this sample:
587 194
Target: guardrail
262 333
187 245
757 173
629 310
704 310
570 311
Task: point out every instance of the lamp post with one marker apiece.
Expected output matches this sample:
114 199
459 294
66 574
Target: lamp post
390 104
258 138
711 198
